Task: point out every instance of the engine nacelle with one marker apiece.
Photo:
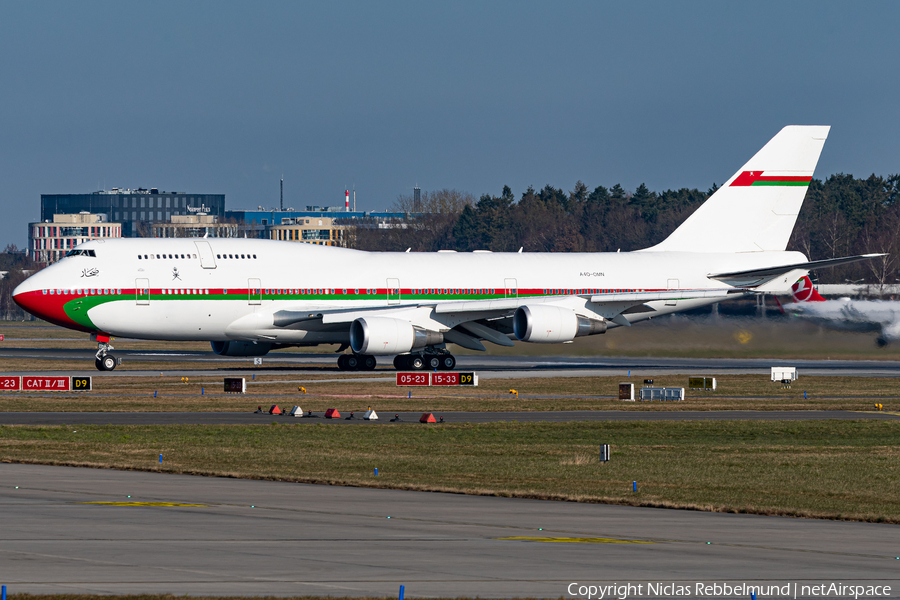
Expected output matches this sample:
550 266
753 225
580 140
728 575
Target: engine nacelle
241 348
383 336
543 324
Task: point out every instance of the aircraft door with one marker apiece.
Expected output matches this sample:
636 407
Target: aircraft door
254 289
672 285
142 291
511 289
207 258
393 291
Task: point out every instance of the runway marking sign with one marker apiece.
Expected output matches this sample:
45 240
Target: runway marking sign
426 378
164 504
414 378
81 384
10 383
575 540
52 383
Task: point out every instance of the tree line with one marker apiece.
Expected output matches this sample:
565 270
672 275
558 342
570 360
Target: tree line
842 215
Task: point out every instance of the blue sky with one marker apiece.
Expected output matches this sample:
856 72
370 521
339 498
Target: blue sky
224 97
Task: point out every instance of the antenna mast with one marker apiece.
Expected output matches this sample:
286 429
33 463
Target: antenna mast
282 193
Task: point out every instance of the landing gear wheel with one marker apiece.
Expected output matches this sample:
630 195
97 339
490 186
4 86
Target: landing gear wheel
342 362
433 361
98 364
448 362
367 363
352 362
416 362
107 362
401 362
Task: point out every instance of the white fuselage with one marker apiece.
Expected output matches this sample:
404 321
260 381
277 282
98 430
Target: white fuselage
229 289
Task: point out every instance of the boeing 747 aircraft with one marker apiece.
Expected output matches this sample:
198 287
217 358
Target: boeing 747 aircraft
250 296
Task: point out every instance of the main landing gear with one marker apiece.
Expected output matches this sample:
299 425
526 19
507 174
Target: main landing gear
443 361
356 362
104 360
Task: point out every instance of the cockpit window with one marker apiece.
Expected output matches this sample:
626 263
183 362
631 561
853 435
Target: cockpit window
81 253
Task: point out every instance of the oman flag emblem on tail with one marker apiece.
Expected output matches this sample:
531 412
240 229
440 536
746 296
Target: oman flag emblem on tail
803 291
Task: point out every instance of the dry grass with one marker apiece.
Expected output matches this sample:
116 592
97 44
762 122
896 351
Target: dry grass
355 392
827 469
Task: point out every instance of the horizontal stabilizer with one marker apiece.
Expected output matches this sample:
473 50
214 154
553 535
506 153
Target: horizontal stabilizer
808 266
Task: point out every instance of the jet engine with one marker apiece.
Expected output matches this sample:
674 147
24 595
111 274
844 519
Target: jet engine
241 348
543 324
383 335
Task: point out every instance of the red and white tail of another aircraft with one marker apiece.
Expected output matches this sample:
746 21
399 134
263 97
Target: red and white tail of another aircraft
881 316
804 291
248 296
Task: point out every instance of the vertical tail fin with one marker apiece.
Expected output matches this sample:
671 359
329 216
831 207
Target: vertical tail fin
756 209
803 291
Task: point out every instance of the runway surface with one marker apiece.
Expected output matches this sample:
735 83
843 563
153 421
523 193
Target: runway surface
71 530
488 366
209 418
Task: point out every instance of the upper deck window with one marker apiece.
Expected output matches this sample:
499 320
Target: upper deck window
81 253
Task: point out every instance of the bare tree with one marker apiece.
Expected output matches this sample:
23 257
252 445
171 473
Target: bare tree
836 238
885 239
439 202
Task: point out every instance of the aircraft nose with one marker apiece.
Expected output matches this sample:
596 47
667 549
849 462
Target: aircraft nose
24 295
36 296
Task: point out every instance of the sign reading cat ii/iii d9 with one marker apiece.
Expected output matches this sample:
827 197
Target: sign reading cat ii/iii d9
81 384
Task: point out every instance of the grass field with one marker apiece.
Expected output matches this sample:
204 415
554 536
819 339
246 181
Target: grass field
828 469
355 392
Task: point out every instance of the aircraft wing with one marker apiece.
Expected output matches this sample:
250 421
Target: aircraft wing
506 306
467 322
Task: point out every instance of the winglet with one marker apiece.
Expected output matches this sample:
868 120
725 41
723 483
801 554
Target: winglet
803 291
